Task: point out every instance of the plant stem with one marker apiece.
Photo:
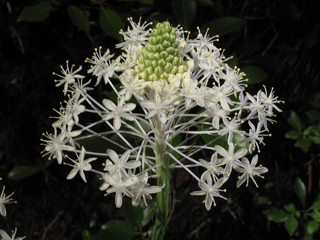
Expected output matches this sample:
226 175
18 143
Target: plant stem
163 197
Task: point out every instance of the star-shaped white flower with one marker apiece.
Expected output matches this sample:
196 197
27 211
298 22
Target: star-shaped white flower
211 191
81 165
7 237
4 200
250 170
118 112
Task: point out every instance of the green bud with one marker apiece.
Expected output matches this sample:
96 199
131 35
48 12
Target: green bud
169 58
141 59
175 61
172 38
158 70
147 63
174 70
182 69
159 39
170 50
150 56
168 67
148 47
143 75
153 77
166 36
149 70
159 48
142 67
154 64
162 63
164 54
164 75
156 56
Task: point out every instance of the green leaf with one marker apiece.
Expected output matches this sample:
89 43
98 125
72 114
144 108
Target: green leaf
133 213
185 11
312 226
146 1
303 143
36 13
119 230
290 208
307 236
316 140
294 121
22 172
149 212
222 26
111 23
313 115
79 18
308 130
86 235
291 224
300 190
276 214
293 134
254 74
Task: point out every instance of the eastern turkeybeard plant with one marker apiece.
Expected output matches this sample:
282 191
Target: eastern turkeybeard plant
171 92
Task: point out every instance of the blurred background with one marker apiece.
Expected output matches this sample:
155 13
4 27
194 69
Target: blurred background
273 41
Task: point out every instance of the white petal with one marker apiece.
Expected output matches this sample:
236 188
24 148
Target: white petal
113 155
109 104
117 122
118 199
73 173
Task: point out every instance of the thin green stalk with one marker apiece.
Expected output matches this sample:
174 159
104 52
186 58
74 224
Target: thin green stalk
163 199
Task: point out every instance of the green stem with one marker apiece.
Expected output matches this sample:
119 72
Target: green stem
163 197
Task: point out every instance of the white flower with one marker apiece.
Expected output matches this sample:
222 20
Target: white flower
229 127
250 170
119 186
158 107
213 168
80 165
7 237
4 200
117 165
55 145
141 188
118 112
231 159
138 35
211 191
69 77
255 136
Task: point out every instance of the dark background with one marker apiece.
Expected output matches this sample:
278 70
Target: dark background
281 37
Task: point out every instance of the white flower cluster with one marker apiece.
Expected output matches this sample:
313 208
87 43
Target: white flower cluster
170 90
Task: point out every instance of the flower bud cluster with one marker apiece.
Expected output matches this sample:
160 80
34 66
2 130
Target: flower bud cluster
161 57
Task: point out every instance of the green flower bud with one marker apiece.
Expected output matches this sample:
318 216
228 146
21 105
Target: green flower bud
164 54
169 58
149 70
162 63
174 70
142 67
147 63
153 77
161 57
154 64
158 70
168 67
170 50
